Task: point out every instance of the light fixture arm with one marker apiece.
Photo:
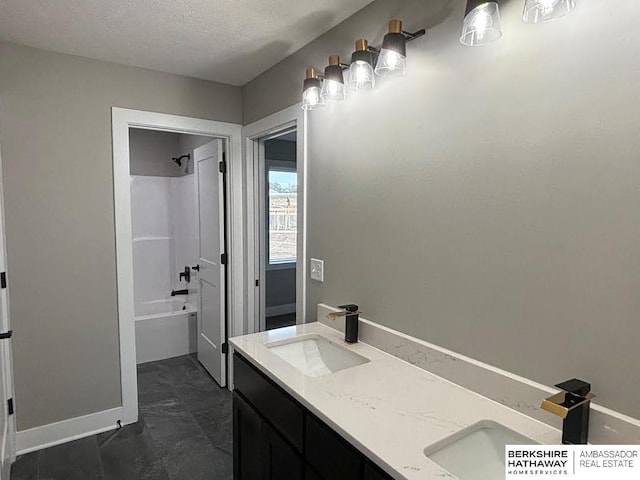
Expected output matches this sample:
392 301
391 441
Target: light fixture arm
366 62
375 53
318 75
412 36
344 66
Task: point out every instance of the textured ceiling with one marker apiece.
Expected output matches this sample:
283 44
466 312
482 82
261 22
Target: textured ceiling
228 41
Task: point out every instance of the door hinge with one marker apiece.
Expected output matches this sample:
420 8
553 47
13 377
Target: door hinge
5 335
3 280
223 259
10 406
257 283
223 166
225 348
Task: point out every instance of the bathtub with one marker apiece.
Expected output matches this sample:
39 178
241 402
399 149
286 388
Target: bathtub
164 328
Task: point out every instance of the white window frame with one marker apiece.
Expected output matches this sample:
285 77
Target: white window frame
279 166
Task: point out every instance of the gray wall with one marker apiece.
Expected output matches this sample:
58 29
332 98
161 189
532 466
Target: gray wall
151 153
188 143
281 287
281 283
280 150
55 132
488 202
281 85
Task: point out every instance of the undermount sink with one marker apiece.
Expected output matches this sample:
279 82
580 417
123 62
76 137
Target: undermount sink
314 355
477 452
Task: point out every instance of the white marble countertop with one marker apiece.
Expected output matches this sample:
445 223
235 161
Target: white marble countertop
388 409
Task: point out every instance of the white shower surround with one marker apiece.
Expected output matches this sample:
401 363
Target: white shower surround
165 240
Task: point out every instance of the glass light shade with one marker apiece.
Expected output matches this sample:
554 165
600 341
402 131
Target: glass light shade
540 11
390 63
361 76
334 90
481 25
333 87
312 96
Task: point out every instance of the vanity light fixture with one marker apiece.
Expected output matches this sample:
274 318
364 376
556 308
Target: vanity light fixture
393 54
333 87
481 23
361 73
312 91
540 11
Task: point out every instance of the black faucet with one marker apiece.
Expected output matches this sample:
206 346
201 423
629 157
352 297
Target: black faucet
186 274
573 404
179 292
351 314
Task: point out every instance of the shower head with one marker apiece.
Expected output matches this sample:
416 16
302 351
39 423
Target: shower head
178 160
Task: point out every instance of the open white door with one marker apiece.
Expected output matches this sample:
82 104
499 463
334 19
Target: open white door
7 421
210 170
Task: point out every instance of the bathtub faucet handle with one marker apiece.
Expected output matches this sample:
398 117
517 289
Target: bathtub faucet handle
186 274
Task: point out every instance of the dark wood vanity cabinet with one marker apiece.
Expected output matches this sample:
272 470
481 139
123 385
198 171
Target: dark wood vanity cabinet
372 472
259 452
310 474
247 437
276 438
281 461
328 453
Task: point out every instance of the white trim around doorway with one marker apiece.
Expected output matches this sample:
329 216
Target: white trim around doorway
122 120
291 117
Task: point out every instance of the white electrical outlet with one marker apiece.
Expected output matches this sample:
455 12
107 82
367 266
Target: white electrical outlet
317 270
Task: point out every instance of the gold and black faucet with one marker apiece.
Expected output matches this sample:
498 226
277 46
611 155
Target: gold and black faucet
351 313
573 404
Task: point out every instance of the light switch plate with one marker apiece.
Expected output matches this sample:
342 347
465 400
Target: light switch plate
317 270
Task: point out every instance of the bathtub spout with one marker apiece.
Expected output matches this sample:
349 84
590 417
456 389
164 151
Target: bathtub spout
179 292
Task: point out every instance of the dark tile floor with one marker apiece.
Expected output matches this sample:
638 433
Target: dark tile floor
184 433
280 321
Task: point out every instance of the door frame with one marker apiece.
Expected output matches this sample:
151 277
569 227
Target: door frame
10 445
291 117
122 119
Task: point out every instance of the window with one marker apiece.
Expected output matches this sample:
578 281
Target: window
283 214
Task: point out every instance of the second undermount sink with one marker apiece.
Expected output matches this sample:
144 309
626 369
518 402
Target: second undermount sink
314 355
482 448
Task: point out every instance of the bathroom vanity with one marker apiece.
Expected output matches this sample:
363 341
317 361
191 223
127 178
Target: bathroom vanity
307 405
275 437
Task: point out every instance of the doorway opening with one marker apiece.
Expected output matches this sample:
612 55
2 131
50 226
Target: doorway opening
178 200
279 225
276 211
179 241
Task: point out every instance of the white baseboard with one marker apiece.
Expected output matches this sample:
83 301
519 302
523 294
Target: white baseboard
280 310
67 430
